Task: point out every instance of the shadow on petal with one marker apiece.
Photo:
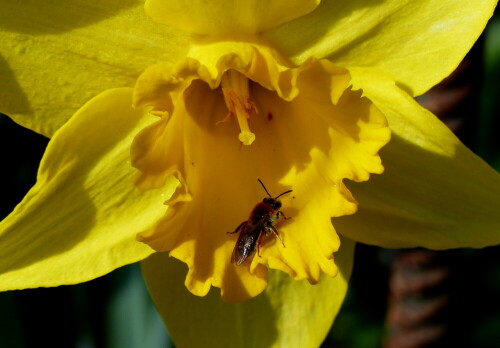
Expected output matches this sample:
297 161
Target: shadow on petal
426 199
206 321
53 17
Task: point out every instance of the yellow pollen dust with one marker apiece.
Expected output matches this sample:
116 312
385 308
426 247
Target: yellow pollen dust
237 98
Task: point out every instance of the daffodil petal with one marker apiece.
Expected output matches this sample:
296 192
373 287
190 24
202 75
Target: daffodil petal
81 218
288 313
312 131
227 17
434 193
418 42
57 55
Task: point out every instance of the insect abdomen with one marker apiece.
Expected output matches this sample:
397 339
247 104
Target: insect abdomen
244 248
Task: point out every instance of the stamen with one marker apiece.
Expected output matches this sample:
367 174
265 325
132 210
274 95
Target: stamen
237 98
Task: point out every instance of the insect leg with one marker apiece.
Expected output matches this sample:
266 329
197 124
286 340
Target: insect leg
238 228
275 231
280 214
259 242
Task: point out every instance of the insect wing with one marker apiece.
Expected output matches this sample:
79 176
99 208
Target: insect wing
247 242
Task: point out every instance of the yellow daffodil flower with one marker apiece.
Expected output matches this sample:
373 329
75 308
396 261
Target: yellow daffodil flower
299 94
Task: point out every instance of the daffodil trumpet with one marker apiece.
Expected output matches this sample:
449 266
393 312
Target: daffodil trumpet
306 96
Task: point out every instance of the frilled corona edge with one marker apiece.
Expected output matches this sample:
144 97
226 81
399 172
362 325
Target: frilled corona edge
233 112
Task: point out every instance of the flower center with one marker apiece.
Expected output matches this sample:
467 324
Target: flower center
237 98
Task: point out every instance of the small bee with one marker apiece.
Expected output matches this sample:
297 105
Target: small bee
262 219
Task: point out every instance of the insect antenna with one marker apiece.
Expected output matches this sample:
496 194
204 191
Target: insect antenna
270 194
278 196
265 188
